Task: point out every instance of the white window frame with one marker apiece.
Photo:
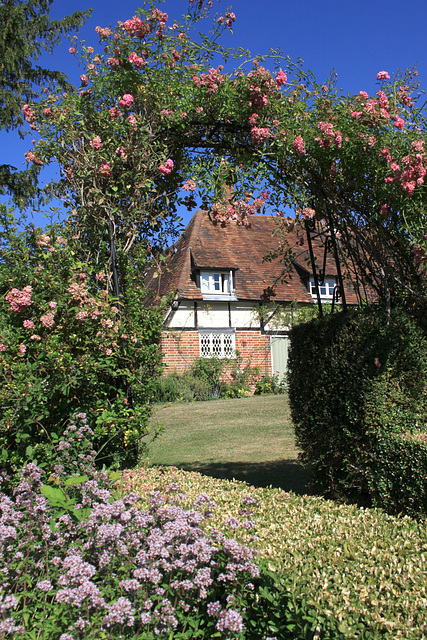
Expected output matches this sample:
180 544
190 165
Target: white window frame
217 283
217 343
326 289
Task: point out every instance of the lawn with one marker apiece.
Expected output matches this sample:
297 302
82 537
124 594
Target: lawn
249 439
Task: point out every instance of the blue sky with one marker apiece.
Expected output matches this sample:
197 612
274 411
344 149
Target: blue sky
356 39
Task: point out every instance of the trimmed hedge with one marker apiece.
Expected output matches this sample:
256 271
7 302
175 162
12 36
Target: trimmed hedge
358 395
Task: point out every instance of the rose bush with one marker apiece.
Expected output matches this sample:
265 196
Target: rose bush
66 346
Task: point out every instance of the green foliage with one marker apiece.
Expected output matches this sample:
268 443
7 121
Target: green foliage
269 385
27 31
242 378
210 371
67 346
358 394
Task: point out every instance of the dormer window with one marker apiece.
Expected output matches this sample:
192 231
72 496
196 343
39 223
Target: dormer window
216 283
326 289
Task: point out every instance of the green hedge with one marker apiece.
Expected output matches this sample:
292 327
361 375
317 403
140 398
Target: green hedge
358 394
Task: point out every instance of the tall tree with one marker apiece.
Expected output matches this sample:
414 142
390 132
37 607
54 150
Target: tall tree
26 32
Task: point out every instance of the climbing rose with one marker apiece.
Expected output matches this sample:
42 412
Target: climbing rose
299 145
399 123
96 143
281 78
167 167
126 101
105 169
383 75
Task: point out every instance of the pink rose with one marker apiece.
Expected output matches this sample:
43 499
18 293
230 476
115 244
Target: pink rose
96 143
383 75
105 169
399 123
281 78
167 167
126 101
299 146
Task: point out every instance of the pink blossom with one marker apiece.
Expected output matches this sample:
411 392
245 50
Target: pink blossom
115 113
409 187
167 167
35 337
418 145
84 80
281 79
113 62
47 111
96 143
19 300
22 349
189 185
383 75
384 210
136 60
43 240
47 320
126 101
52 304
31 157
260 135
108 352
3 347
394 166
399 123
105 169
363 94
71 50
28 324
299 145
121 151
253 119
166 112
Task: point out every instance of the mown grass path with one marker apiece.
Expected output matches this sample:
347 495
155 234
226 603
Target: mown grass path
250 439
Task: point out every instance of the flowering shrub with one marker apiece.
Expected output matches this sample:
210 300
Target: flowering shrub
78 563
66 346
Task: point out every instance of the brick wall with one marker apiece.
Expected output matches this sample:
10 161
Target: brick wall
181 348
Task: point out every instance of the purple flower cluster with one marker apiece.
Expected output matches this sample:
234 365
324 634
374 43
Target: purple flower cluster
105 566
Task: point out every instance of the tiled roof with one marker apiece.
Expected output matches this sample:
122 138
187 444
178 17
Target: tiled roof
204 245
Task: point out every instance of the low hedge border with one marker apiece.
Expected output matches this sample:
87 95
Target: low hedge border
330 571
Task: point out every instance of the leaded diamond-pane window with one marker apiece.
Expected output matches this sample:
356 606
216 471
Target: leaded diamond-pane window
219 344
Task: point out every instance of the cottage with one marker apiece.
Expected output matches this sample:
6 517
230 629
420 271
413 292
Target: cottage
228 299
